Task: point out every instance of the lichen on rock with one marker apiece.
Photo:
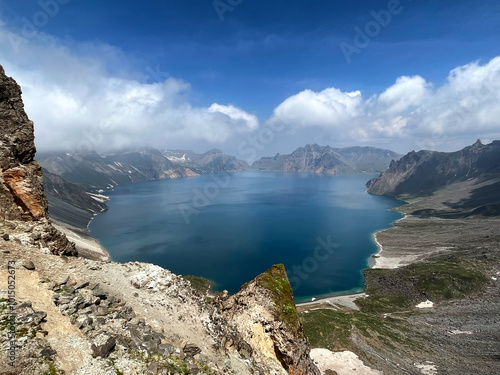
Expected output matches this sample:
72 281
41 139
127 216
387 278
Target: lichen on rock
262 319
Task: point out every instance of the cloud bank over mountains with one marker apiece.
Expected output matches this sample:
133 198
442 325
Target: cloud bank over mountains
465 107
83 96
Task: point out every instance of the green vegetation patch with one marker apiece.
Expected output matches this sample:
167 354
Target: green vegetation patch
275 280
199 283
448 277
331 329
441 278
53 370
175 363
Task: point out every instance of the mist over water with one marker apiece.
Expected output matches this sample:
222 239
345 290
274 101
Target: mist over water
231 227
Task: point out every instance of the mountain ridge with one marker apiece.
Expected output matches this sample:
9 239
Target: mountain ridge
463 182
212 161
327 160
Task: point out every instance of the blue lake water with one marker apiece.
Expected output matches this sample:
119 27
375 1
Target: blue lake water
231 227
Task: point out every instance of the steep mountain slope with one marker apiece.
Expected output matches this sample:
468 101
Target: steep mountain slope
94 172
328 160
211 161
69 203
463 182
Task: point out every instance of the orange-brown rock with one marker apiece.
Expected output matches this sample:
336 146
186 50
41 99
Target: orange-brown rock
21 186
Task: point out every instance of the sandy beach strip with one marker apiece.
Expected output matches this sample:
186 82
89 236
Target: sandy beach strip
335 302
87 246
379 260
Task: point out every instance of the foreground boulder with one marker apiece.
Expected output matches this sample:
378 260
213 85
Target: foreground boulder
260 324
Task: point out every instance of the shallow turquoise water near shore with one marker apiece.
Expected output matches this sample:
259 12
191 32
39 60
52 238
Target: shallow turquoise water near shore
231 227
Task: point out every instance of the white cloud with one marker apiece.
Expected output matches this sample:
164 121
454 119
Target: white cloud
411 111
467 103
328 108
236 114
84 94
406 93
77 104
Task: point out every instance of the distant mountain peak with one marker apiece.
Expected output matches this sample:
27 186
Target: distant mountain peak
213 160
213 151
327 160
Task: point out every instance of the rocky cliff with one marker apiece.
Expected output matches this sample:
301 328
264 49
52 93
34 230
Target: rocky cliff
261 324
21 189
467 180
327 160
80 316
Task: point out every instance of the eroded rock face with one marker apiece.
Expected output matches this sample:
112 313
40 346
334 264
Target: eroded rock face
260 323
22 193
21 189
426 171
22 184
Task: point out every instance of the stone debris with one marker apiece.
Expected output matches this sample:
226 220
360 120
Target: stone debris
29 265
114 330
425 305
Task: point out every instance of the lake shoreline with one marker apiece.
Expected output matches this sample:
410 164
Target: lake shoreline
91 248
377 260
86 245
321 202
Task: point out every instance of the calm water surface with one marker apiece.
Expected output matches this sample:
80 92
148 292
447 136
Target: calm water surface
231 227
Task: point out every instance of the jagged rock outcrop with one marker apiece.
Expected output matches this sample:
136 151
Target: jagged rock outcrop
327 160
21 189
260 323
474 173
21 194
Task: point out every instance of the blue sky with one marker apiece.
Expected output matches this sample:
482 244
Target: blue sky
193 77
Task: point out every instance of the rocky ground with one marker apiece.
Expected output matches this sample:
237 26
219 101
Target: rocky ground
91 316
82 316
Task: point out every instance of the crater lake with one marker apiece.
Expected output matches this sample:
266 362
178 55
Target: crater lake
230 227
